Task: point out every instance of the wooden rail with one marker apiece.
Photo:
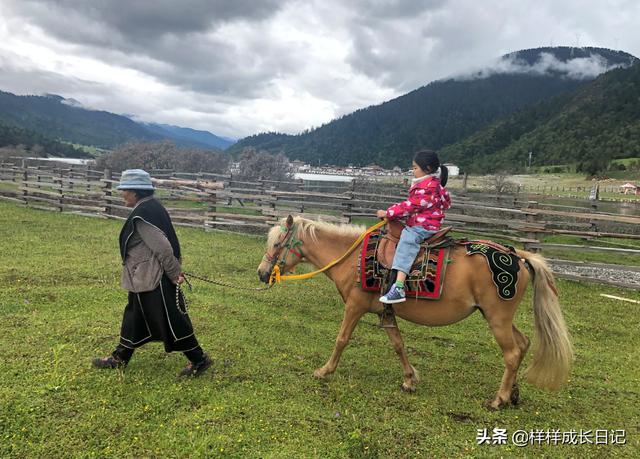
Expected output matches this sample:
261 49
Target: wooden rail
212 201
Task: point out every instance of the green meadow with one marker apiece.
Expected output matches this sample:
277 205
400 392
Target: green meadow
61 305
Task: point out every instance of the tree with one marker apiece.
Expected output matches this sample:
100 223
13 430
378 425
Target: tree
501 183
256 164
163 155
593 167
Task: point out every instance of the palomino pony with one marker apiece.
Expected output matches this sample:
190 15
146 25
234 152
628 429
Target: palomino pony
468 286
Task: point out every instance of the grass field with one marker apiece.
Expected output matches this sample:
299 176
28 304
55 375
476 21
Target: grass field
61 306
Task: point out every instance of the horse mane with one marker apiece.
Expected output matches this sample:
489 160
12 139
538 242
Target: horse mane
309 228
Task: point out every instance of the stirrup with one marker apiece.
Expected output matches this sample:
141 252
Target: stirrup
387 317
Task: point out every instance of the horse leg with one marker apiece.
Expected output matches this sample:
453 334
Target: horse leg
352 316
411 377
523 343
513 354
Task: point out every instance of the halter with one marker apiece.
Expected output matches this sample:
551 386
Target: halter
288 243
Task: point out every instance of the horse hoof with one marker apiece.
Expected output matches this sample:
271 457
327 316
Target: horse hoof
515 395
493 405
319 374
407 388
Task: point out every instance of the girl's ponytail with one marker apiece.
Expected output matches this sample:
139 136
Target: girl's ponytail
444 175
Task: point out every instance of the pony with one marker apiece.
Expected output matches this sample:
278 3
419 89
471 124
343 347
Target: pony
468 287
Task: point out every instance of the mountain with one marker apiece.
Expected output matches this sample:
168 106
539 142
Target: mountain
443 112
55 117
37 144
589 127
49 116
190 137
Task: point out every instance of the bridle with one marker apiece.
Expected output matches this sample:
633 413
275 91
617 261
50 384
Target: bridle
287 244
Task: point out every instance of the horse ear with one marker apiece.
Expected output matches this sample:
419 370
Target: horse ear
289 221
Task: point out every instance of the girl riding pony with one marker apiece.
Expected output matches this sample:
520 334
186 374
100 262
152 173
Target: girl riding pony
423 211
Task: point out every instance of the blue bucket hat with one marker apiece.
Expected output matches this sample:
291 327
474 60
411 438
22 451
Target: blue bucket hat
135 179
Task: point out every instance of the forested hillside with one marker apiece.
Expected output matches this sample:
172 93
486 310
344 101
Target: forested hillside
49 116
36 144
439 114
590 127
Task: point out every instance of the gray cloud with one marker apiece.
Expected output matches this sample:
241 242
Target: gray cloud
20 76
122 22
237 67
182 43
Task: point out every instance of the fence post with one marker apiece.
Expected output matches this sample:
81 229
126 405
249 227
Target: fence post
60 191
213 208
87 179
530 234
108 186
25 179
38 177
349 203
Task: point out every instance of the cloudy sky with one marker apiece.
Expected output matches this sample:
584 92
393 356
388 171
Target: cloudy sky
240 67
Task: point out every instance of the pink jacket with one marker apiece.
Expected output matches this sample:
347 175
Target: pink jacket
426 205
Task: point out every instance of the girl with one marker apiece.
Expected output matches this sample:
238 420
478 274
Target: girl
424 211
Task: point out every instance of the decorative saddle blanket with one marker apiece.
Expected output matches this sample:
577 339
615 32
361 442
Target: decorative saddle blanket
427 273
503 263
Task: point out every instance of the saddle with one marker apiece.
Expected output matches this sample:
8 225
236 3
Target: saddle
387 245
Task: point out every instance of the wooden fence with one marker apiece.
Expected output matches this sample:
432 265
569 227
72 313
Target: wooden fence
213 201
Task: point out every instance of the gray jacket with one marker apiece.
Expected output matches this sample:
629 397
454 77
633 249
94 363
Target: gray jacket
149 255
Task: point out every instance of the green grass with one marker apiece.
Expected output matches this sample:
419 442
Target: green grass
598 257
61 306
9 186
625 161
92 150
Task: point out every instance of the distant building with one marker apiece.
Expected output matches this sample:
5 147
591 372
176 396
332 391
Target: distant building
74 161
629 188
298 165
322 177
453 170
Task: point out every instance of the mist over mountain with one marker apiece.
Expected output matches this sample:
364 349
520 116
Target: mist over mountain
443 112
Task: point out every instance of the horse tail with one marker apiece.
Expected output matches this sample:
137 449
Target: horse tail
554 354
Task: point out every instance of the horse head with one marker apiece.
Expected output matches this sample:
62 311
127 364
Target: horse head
283 249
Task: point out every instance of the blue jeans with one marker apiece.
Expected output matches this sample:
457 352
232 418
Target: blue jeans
409 246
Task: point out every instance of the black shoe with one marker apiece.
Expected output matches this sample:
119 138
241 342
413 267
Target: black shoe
110 362
196 369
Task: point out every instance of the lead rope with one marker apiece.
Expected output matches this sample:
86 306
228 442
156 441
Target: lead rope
180 293
223 284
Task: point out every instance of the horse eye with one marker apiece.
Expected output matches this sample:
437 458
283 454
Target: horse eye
276 245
